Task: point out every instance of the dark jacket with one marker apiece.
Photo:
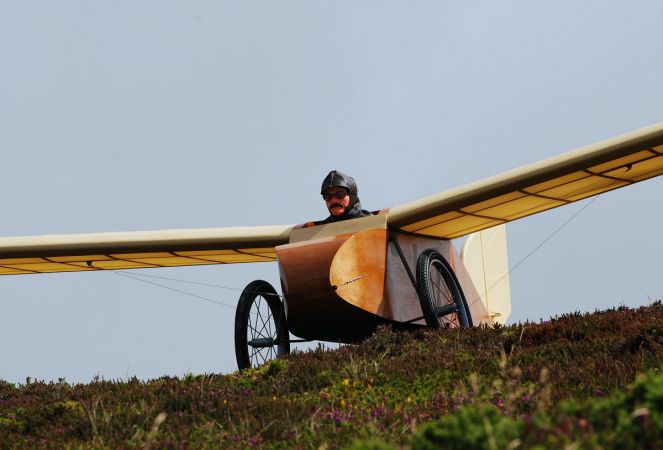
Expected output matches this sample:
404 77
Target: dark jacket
354 210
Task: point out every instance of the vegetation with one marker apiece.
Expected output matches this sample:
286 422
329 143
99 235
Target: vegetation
576 381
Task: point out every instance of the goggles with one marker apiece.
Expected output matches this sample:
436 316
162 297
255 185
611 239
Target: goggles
339 195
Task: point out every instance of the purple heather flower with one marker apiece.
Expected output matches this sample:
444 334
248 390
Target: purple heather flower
337 416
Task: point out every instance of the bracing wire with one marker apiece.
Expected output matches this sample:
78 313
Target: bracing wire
541 244
180 281
137 276
264 294
200 297
140 276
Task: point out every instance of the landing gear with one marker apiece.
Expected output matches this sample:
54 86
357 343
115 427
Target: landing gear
261 333
442 300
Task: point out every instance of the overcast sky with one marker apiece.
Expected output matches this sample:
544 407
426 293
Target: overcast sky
121 115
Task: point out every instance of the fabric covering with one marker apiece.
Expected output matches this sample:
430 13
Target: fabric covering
547 184
140 249
554 182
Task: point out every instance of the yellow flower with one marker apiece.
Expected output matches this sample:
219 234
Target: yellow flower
346 382
342 403
274 398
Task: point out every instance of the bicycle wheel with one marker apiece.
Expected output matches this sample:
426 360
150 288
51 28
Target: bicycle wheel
260 326
441 297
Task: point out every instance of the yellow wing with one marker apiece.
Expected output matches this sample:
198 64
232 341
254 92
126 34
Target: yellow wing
143 249
550 183
538 187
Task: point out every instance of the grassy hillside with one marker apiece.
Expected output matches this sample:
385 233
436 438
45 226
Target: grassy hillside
589 380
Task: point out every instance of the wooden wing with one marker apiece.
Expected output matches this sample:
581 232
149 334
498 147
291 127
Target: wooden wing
538 187
521 192
134 250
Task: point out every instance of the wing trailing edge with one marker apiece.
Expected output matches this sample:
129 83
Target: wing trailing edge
544 185
140 249
557 181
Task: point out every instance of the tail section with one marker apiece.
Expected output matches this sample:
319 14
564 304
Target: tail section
485 257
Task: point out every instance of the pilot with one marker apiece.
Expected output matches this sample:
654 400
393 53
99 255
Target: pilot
339 192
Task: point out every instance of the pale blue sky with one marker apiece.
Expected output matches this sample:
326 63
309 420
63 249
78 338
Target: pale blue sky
119 116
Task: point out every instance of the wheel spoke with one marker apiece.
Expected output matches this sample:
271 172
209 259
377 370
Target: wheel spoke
252 357
270 319
256 327
265 323
435 291
450 321
260 326
441 297
440 290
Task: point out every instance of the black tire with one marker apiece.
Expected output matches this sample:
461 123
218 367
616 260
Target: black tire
261 333
442 300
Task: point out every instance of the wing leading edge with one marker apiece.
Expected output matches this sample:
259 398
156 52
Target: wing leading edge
572 176
142 249
554 182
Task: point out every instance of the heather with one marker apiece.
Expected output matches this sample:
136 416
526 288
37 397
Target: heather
575 381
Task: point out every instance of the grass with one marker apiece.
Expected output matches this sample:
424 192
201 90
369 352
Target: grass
576 381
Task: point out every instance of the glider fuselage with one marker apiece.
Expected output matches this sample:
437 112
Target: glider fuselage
341 280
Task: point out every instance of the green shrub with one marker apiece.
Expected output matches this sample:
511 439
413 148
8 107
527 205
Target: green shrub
472 427
370 444
563 383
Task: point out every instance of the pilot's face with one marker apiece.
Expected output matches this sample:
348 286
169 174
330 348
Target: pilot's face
337 200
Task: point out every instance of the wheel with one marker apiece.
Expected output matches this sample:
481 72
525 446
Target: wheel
442 300
260 326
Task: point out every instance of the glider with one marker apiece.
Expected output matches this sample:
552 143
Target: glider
342 279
